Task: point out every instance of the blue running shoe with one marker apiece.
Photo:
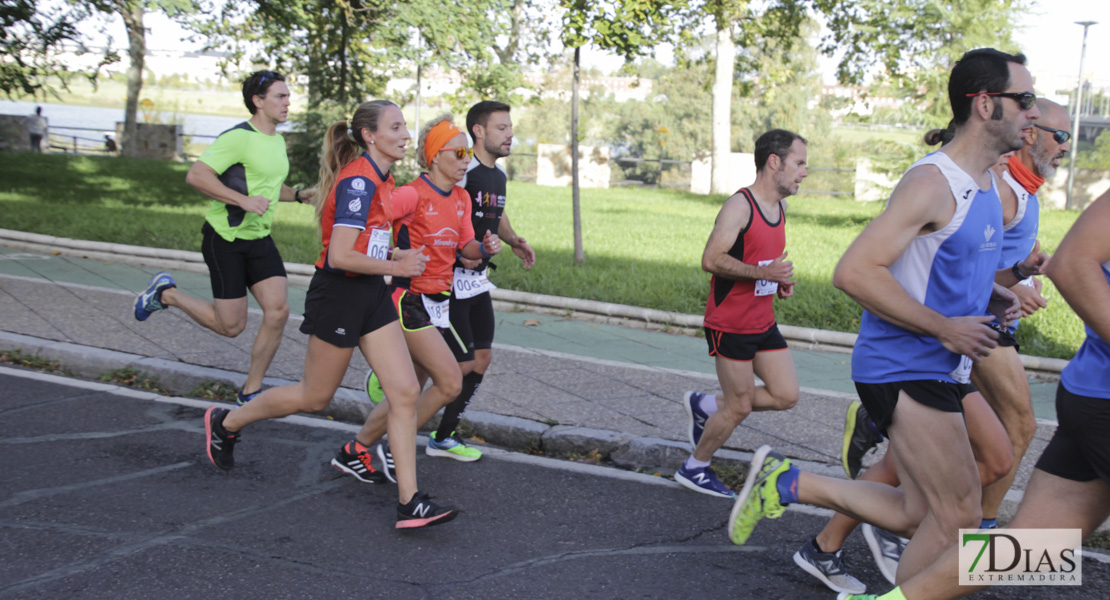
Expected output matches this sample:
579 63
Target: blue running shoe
704 481
244 398
150 300
692 403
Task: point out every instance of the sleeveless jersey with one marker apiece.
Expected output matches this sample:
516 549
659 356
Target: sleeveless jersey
1088 374
742 305
360 198
1020 233
425 215
486 186
253 164
950 270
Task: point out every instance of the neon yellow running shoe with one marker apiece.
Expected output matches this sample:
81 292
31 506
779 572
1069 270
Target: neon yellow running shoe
374 388
759 497
846 596
451 447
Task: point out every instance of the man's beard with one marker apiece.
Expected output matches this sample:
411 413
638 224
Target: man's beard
1043 163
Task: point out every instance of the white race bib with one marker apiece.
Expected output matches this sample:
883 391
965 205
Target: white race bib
962 372
764 287
439 312
1028 282
378 247
471 283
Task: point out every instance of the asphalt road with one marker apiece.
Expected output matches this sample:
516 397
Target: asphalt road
106 493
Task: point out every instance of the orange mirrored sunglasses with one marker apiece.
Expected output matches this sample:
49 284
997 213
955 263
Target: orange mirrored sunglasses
461 152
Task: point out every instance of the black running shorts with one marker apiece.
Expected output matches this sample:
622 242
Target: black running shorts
235 266
743 346
1080 449
473 322
880 398
340 309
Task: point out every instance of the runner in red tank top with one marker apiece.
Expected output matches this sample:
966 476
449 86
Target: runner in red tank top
746 255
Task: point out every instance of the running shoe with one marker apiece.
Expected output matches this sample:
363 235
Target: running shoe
149 300
887 549
704 481
244 398
692 403
422 512
860 436
355 460
759 498
828 567
374 388
847 596
221 442
451 447
387 462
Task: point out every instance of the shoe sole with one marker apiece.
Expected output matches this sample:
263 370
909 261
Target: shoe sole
849 429
447 454
749 482
388 472
693 422
208 436
686 483
436 520
876 546
349 471
812 570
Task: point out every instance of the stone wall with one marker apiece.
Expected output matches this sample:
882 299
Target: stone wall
13 134
155 140
1088 185
739 173
553 166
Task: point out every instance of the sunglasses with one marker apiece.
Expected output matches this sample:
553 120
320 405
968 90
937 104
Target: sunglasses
1025 100
262 82
1059 135
461 152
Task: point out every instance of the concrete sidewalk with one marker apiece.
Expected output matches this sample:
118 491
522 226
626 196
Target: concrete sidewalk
557 383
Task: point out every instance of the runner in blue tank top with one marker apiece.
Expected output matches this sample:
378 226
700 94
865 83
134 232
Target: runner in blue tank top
924 271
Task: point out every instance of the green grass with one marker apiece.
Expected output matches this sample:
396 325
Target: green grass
643 246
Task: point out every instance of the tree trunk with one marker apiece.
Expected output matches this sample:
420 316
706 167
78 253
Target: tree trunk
722 109
579 253
132 13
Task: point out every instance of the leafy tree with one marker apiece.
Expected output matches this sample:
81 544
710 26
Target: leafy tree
31 36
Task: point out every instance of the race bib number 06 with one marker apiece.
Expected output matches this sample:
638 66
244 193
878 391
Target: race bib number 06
471 283
378 247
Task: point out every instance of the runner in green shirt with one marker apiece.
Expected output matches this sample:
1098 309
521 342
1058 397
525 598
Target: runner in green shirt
243 172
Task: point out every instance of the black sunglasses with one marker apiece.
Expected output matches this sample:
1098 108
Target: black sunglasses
262 81
1025 100
1059 135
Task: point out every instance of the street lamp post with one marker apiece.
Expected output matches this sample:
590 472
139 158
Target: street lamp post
1075 115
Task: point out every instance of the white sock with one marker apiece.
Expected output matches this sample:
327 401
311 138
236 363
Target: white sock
708 403
693 463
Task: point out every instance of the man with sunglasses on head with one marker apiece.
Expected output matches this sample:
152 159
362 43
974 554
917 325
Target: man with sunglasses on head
925 272
243 171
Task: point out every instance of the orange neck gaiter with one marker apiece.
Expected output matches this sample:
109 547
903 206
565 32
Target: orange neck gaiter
1024 176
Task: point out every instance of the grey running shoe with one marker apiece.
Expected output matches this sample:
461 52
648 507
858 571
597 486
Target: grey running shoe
860 436
387 461
828 568
887 549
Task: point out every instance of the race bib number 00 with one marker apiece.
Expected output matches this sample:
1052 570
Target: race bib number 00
378 247
471 283
764 287
438 312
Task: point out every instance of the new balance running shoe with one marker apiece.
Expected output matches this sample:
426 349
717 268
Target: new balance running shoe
860 436
828 568
886 548
356 460
704 481
244 398
451 447
759 498
422 512
374 388
220 442
386 457
149 301
692 403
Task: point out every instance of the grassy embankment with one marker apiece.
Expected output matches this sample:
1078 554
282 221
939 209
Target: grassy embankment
643 246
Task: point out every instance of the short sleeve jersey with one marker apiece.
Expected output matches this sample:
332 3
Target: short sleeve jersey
733 305
253 164
486 186
360 198
439 220
950 270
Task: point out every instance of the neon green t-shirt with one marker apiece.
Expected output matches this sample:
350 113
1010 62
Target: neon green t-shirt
253 164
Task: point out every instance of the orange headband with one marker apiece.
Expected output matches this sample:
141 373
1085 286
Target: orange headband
437 137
